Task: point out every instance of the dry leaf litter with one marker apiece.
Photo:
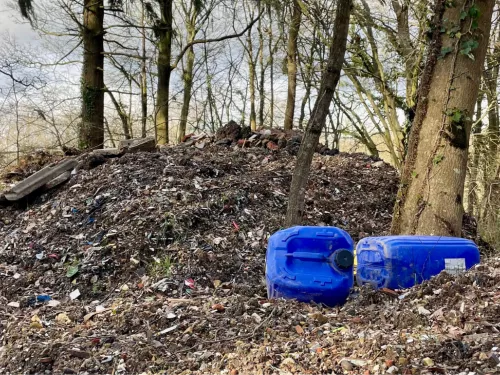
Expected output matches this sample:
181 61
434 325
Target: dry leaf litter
153 263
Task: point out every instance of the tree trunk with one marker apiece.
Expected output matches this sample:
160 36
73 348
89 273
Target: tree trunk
212 105
490 225
474 164
18 130
262 71
188 87
411 56
490 164
271 66
111 139
121 113
252 70
165 32
293 35
91 133
430 198
316 123
188 76
307 77
144 77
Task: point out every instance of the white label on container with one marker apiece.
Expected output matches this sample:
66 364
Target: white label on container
454 266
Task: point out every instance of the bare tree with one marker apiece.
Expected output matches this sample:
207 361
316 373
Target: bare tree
317 121
293 34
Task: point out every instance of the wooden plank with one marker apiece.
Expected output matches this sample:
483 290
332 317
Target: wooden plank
39 179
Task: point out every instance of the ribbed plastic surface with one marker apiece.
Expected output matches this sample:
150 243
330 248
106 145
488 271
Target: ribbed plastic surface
398 262
310 264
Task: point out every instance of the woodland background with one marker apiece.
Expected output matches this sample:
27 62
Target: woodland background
256 62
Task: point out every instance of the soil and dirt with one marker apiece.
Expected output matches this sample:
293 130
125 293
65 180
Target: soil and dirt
154 264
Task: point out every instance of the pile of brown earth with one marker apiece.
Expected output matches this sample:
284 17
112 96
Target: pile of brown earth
165 254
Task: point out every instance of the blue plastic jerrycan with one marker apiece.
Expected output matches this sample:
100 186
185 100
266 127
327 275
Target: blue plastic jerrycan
310 264
398 262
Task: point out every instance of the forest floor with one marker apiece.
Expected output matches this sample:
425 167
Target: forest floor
153 263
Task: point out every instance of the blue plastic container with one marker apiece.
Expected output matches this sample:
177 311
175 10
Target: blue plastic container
398 262
310 264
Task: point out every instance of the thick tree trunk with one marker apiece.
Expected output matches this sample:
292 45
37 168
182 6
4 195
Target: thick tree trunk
430 199
164 71
316 123
91 134
293 35
144 77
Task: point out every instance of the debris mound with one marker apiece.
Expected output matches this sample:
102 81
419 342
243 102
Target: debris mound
28 165
153 262
242 136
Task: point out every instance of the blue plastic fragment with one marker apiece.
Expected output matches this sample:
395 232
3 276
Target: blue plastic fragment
310 264
399 262
43 298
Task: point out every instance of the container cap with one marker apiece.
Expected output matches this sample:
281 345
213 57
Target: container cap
344 259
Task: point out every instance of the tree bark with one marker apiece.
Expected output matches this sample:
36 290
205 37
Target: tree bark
317 121
430 198
293 35
251 72
489 214
188 75
490 225
144 77
271 65
111 139
307 77
91 134
262 70
474 163
121 113
165 32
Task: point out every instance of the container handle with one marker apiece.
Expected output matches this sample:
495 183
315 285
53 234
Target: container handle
305 255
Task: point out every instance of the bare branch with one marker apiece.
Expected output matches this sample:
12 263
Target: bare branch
123 54
205 41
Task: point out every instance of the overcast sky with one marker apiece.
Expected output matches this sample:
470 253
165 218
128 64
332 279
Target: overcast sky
11 22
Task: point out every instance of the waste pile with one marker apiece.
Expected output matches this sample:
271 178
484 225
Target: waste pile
274 139
153 263
28 165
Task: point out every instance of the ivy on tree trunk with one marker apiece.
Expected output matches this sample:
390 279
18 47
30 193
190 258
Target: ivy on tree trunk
430 198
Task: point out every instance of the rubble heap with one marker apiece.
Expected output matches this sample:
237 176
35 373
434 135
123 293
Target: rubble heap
274 139
153 263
